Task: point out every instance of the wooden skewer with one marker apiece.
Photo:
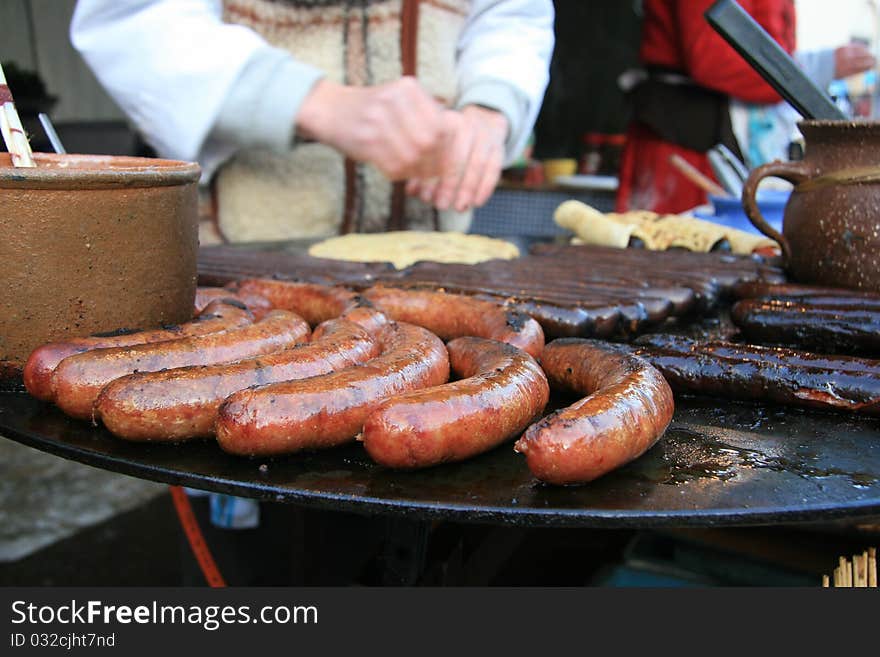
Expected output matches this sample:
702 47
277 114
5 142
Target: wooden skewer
872 567
13 132
861 573
860 570
696 176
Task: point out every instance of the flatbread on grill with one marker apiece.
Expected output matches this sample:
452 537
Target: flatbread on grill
592 226
405 247
657 232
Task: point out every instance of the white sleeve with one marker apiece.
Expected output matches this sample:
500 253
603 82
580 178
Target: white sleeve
195 87
504 62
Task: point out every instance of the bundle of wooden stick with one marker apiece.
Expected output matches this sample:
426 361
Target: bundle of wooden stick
861 572
13 132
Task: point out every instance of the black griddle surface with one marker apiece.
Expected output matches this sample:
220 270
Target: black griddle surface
720 464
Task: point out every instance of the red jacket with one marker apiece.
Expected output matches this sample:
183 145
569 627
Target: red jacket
676 36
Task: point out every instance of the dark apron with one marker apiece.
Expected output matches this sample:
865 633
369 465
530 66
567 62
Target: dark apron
685 114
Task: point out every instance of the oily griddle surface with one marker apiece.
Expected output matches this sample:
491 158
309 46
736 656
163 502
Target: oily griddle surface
736 464
571 290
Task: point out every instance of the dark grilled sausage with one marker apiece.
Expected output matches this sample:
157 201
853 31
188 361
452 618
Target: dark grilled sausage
182 403
628 407
329 410
751 372
588 318
259 306
771 356
217 316
760 288
454 316
826 301
314 303
831 329
560 278
501 391
78 380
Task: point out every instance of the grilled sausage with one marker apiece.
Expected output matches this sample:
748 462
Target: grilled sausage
761 288
776 374
826 301
628 407
314 303
832 329
217 316
369 319
631 314
559 283
259 306
454 316
329 410
502 389
771 356
78 380
588 318
182 403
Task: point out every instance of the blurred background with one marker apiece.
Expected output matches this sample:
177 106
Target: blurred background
596 42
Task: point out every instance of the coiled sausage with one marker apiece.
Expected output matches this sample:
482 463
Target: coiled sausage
182 403
217 316
501 391
455 315
329 410
627 409
77 381
313 302
258 305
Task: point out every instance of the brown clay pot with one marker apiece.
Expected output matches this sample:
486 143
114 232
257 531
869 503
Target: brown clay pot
91 244
831 229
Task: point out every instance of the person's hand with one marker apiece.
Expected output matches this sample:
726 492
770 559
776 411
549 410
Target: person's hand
852 59
471 161
398 126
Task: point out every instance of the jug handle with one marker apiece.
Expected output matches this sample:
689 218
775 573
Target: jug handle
794 172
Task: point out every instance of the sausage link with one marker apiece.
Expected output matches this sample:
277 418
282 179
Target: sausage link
455 315
329 410
627 409
314 303
776 374
259 306
823 301
217 316
78 380
369 319
501 391
182 403
833 329
760 288
587 318
770 356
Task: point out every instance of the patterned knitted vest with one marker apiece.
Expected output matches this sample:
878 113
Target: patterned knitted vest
312 190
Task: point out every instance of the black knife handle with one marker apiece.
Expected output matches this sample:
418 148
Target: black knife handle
775 65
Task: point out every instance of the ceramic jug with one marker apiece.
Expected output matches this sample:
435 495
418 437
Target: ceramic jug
831 227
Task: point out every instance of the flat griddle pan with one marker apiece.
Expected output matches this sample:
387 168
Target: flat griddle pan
720 464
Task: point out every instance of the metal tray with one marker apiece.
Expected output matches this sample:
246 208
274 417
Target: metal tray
720 464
